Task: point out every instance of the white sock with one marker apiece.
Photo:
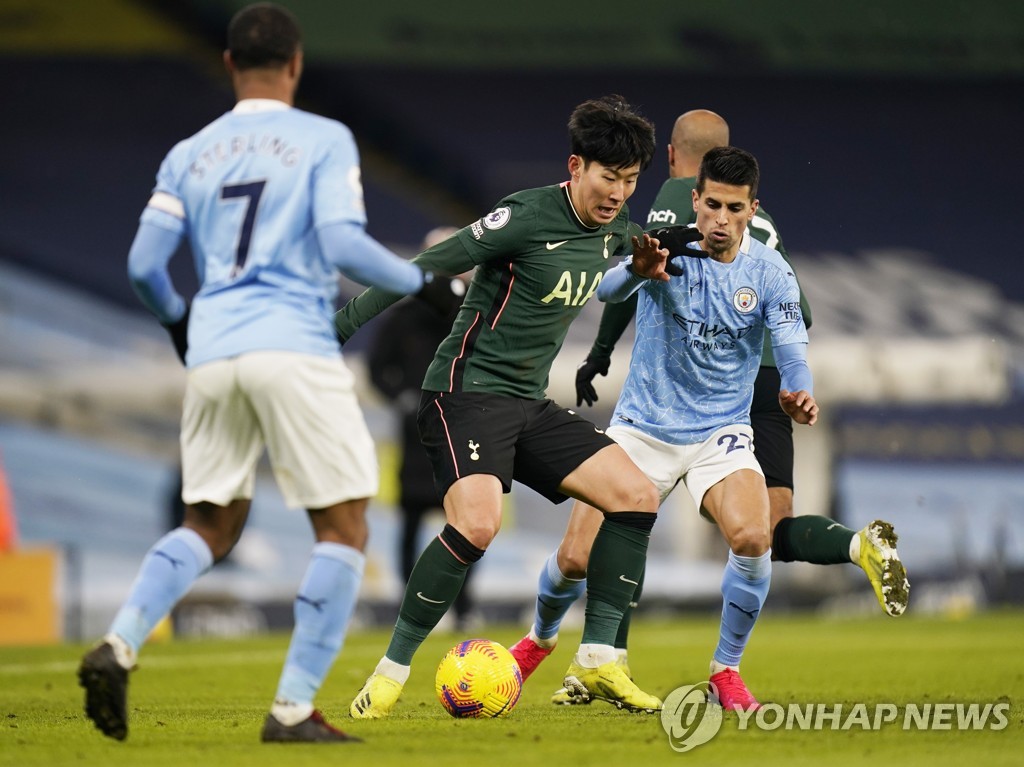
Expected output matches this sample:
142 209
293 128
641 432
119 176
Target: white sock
392 670
548 643
620 656
718 668
855 549
594 655
123 652
289 713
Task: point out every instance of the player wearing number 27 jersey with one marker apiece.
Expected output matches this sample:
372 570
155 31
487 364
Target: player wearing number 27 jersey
699 339
684 411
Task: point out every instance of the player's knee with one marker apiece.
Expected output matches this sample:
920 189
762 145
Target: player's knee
573 556
480 532
750 540
219 539
220 546
640 495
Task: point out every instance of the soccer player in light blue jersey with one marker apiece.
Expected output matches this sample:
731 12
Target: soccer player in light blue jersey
270 200
683 415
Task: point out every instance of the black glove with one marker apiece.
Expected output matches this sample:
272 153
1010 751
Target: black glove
442 294
676 239
585 375
179 333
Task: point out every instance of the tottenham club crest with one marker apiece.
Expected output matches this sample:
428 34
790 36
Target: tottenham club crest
497 218
744 299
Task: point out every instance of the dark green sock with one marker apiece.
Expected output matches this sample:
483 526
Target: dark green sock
811 538
616 566
434 583
622 637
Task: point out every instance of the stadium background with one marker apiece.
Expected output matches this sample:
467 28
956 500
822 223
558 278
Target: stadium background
889 142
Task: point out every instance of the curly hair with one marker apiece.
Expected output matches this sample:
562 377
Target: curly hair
263 35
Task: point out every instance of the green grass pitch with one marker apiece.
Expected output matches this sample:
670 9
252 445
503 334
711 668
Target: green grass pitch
202 702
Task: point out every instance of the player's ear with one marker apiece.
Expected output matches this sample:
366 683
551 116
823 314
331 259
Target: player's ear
228 63
575 166
295 64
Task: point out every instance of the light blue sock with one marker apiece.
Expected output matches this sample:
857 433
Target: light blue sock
165 576
323 608
555 595
744 589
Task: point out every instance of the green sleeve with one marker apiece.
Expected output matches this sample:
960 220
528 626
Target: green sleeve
771 238
614 320
447 257
633 230
361 310
805 307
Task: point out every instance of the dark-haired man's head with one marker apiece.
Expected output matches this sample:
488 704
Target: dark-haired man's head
608 130
724 199
729 165
263 35
610 144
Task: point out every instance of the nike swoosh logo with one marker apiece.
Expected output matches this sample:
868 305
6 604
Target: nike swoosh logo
553 245
834 524
627 580
428 599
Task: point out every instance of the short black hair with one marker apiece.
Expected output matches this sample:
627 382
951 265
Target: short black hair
263 35
729 165
611 132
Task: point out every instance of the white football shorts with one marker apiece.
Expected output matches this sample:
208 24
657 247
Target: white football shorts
301 407
699 466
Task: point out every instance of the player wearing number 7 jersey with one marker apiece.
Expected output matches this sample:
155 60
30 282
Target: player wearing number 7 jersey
269 198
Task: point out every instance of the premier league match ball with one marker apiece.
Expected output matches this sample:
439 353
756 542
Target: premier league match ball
478 678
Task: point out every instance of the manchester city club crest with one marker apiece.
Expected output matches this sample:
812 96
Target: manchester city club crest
744 299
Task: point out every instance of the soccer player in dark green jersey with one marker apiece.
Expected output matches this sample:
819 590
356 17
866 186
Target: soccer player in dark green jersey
484 416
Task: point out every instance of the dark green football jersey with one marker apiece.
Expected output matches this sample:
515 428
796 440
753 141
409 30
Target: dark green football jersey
674 207
537 265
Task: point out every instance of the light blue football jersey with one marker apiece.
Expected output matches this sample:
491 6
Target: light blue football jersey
698 342
250 191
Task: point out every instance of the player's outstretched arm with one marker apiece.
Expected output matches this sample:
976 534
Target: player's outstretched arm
361 258
441 293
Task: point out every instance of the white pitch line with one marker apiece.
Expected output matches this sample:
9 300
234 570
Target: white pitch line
175 661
